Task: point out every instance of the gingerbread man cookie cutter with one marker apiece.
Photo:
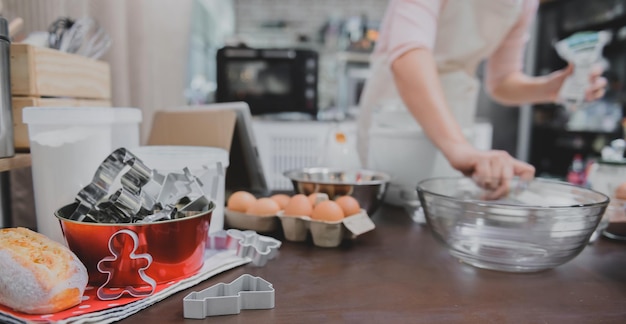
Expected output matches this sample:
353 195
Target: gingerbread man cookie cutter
111 293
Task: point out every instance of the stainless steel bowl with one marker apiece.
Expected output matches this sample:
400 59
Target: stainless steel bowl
366 186
539 225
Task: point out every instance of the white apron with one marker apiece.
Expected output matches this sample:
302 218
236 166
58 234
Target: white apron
389 138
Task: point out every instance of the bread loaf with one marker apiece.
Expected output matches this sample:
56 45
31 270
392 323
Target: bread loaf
37 274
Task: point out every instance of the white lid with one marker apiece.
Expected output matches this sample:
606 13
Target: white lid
79 115
174 158
127 115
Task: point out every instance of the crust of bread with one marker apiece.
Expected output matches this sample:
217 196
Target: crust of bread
39 275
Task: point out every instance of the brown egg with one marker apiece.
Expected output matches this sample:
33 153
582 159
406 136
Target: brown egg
263 207
620 192
316 197
327 211
281 199
240 201
299 205
349 205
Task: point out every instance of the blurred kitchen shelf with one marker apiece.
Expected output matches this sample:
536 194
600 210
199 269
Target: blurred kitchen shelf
565 131
554 148
351 56
20 160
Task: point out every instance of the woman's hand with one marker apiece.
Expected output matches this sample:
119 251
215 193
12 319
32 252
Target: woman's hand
597 84
492 170
596 89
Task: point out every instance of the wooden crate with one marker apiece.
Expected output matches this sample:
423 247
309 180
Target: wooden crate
41 72
43 77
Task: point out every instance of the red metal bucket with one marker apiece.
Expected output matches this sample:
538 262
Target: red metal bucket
175 248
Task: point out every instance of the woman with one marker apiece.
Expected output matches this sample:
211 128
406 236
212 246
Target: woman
426 59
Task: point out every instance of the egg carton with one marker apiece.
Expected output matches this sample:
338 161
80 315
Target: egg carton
325 233
297 228
259 224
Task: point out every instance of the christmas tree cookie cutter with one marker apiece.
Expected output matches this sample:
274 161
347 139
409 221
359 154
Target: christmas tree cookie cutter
245 292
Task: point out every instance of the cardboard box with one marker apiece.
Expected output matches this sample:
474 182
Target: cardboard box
222 125
194 128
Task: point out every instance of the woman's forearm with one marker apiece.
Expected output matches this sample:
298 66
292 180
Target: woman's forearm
418 84
518 88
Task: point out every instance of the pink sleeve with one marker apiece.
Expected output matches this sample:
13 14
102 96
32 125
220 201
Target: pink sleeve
509 56
408 24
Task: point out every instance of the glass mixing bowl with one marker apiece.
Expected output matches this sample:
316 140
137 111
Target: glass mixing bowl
538 225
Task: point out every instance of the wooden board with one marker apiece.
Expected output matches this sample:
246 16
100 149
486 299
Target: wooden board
20 130
39 72
20 160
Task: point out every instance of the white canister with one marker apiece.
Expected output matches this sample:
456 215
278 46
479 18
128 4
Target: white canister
67 145
198 159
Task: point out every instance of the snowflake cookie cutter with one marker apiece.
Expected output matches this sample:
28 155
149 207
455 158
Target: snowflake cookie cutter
106 266
245 292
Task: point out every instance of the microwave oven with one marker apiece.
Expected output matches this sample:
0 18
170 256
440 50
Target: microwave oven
268 80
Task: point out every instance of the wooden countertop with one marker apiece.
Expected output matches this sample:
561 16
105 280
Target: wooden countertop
399 273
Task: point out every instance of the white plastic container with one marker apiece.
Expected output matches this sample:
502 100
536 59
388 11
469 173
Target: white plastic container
67 145
166 158
125 128
296 144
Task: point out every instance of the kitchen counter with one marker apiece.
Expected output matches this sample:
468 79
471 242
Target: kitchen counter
399 273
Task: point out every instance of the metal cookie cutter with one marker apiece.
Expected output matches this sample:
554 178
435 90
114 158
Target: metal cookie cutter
145 194
250 244
137 175
108 264
245 292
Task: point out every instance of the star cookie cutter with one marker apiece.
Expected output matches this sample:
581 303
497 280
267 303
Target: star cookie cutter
106 266
245 292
